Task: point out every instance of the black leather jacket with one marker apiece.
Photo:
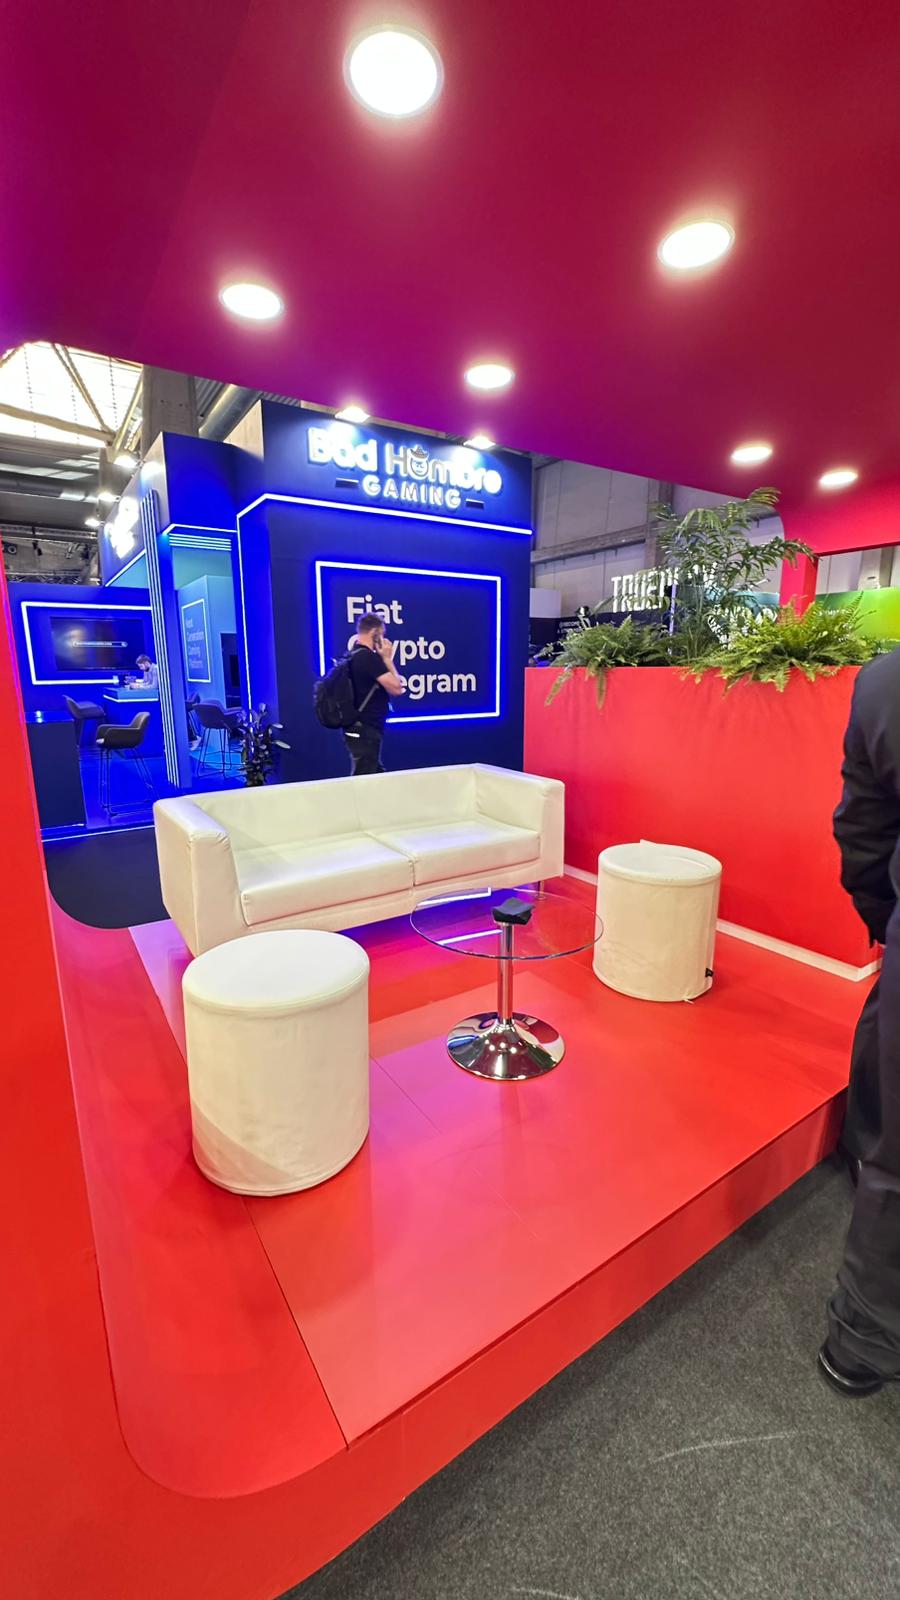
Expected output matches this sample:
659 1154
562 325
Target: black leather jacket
867 820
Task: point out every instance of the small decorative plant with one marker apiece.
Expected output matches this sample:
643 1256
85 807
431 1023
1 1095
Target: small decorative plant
765 648
601 645
258 745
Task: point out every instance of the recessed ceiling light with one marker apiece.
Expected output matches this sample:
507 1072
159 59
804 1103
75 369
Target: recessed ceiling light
747 455
696 245
106 497
352 414
489 375
251 300
394 71
92 522
838 478
126 461
480 441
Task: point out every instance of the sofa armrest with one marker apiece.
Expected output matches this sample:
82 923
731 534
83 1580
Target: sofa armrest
526 801
197 874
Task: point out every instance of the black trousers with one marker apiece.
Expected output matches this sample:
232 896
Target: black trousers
364 748
862 1123
864 1314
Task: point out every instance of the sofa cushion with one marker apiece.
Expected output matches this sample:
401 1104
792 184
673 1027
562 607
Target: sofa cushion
462 849
284 813
419 796
287 880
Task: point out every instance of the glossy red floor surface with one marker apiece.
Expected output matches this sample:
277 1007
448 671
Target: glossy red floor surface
484 1237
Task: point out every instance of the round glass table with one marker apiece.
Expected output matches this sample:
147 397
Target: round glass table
507 925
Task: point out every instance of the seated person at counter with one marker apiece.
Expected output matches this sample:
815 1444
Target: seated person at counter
150 671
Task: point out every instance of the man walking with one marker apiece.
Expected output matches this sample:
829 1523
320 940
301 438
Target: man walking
863 1345
375 684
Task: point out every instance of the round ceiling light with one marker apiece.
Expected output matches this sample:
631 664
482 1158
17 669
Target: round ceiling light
394 72
838 478
126 461
696 245
107 497
747 455
92 522
253 301
489 375
352 413
480 441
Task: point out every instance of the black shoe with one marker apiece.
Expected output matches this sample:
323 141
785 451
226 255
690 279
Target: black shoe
854 1382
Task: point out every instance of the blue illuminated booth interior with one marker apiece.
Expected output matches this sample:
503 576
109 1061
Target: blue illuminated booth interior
241 569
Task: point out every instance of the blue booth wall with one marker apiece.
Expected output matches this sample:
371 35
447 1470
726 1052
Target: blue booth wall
329 540
38 603
322 520
199 485
472 568
189 561
206 609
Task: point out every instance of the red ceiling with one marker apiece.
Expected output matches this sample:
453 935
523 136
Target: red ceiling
152 150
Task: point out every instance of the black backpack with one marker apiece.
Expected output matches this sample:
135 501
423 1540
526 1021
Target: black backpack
334 699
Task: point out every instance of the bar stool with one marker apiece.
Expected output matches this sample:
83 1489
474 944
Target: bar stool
82 711
123 740
190 705
215 721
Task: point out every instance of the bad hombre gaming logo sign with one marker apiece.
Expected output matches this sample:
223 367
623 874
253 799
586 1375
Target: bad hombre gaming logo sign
406 475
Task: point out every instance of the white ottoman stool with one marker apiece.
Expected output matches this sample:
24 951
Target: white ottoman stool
658 904
277 1029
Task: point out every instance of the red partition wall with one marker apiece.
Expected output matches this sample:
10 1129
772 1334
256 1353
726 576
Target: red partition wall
752 776
864 519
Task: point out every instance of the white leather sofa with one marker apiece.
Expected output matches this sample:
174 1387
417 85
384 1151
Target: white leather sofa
341 852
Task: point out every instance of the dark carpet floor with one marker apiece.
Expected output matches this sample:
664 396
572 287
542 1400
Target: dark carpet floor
693 1455
108 880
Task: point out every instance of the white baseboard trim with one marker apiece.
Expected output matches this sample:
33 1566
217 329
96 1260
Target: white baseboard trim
576 872
796 952
779 947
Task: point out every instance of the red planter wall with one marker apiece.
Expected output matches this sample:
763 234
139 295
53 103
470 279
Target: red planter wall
752 776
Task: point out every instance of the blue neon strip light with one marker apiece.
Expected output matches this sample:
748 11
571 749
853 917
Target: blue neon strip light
187 541
193 527
240 556
454 899
64 605
386 511
416 572
150 524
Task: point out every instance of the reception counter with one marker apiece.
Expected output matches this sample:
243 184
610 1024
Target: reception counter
752 777
56 768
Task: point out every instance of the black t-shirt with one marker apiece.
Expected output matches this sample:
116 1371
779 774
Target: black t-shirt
366 667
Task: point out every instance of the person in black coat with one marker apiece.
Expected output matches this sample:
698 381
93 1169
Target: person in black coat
862 1349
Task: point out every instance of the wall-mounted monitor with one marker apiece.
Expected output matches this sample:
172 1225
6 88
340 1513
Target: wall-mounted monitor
96 644
85 641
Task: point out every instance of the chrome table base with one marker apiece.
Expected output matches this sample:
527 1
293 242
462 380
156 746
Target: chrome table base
505 1049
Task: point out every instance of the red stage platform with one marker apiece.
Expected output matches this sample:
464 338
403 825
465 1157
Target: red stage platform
293 1367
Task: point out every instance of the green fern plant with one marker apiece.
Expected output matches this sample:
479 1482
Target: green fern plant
601 645
769 646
